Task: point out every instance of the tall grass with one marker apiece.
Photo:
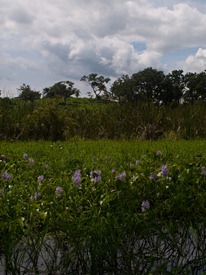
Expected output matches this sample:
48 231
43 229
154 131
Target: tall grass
12 116
50 120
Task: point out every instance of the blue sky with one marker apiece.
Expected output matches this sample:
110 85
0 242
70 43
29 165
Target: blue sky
43 42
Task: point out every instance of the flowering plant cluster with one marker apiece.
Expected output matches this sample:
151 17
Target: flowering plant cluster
6 176
88 207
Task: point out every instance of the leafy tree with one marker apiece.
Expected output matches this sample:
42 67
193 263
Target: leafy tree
191 93
98 84
65 89
149 84
122 89
201 86
27 94
195 87
176 82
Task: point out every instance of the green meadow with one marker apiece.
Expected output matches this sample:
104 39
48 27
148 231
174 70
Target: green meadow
102 207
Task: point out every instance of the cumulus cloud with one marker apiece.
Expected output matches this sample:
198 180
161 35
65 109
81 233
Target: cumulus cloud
48 41
197 62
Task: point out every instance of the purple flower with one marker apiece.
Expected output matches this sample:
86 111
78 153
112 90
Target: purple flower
40 178
158 153
153 176
145 205
6 176
164 171
36 195
31 161
204 171
77 177
122 176
113 170
25 156
58 191
96 176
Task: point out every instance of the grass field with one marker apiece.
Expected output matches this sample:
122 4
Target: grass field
77 148
94 207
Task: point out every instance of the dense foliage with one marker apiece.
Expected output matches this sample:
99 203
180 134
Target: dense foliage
48 119
147 85
65 89
86 207
147 105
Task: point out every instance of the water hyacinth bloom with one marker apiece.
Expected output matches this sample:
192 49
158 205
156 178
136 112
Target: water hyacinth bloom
145 205
40 178
153 176
58 191
122 176
36 195
204 171
96 176
25 156
77 177
164 171
6 176
31 161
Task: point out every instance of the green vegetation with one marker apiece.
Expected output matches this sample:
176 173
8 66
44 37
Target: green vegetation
105 185
96 207
96 119
149 105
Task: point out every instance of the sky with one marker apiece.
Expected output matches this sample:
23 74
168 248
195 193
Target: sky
46 41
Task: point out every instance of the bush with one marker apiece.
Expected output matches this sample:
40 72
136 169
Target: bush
48 121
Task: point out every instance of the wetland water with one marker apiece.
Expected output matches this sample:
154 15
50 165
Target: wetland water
188 254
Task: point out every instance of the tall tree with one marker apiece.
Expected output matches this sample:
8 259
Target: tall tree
98 84
122 90
149 84
191 93
27 94
201 86
65 89
175 81
195 87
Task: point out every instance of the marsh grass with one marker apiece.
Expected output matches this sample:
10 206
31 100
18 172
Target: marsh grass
48 119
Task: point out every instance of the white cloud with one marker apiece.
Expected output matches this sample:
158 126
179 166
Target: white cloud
48 41
201 53
197 62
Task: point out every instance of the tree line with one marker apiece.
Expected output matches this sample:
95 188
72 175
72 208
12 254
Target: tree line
148 85
146 105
